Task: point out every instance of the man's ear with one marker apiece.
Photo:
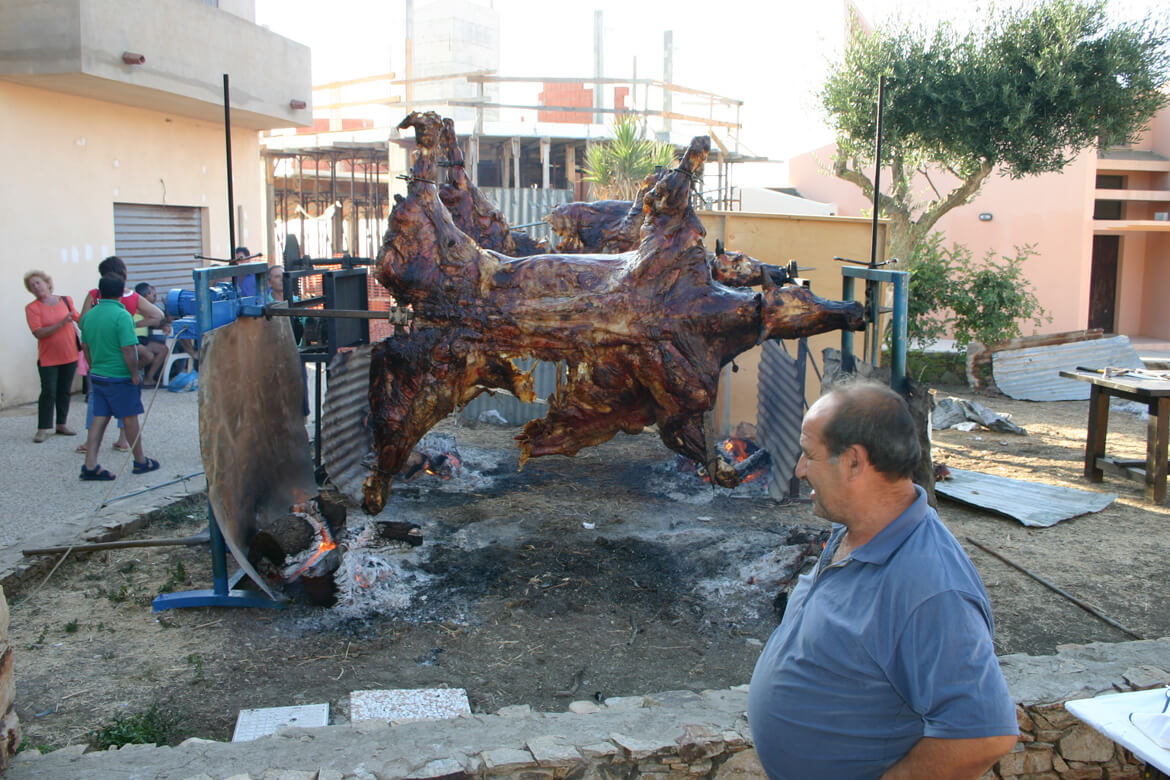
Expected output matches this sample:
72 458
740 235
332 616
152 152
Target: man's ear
856 457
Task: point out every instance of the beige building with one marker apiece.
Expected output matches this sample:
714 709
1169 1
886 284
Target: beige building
1100 227
113 127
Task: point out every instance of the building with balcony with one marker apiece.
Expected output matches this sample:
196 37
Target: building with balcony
114 128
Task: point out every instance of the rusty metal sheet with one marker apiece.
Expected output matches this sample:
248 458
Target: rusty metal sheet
251 432
1032 503
347 442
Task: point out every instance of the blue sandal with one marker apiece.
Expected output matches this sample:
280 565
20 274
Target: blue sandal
98 474
150 464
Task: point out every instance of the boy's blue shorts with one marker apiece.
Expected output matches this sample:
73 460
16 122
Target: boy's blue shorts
115 397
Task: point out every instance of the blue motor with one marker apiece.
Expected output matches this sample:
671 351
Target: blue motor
183 307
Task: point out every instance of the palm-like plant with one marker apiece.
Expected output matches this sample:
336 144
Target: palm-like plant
616 168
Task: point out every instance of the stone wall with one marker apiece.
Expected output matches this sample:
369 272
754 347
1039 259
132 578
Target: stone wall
9 724
675 735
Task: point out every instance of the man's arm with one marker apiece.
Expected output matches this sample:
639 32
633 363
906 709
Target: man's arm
130 355
151 315
950 759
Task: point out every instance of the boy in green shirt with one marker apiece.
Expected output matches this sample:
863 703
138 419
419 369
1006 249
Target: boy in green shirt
111 347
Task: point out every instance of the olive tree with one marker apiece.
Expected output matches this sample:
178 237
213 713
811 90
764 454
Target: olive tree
1023 94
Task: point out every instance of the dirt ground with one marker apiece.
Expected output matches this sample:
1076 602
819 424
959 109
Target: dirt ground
602 575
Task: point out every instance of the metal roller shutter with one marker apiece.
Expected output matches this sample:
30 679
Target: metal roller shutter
158 243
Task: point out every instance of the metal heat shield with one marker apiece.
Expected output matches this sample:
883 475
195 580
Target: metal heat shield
252 433
780 411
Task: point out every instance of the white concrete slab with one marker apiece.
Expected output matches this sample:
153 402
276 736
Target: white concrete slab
253 724
407 704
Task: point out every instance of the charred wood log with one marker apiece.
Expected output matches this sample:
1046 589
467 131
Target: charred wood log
644 334
474 214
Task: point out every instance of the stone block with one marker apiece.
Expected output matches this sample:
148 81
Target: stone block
506 759
3 615
744 765
734 739
1084 744
599 750
672 699
1056 715
514 711
1037 760
441 767
1145 676
1051 736
553 751
1024 720
330 774
289 774
203 776
641 748
197 741
1012 764
625 703
1084 773
728 700
699 742
584 707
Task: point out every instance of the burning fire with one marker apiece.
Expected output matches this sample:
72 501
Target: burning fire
327 543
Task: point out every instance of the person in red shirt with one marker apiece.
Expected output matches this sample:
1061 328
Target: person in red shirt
50 318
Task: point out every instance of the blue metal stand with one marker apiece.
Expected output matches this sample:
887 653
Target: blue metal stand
901 282
223 592
210 313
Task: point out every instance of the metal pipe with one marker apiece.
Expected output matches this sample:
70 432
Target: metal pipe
900 327
877 172
1087 607
153 487
227 128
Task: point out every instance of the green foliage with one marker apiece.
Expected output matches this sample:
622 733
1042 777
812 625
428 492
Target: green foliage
144 728
1026 93
617 167
981 301
195 661
71 627
181 512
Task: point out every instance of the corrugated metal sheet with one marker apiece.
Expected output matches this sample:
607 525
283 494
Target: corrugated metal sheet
512 408
1032 503
346 438
780 398
1033 374
525 206
158 243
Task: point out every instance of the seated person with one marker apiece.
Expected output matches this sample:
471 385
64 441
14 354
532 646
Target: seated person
151 340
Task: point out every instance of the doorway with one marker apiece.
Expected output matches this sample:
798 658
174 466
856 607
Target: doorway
1103 283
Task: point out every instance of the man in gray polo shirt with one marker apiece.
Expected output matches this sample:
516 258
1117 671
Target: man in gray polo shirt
883 665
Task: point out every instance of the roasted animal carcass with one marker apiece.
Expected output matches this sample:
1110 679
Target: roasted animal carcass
601 225
474 214
644 334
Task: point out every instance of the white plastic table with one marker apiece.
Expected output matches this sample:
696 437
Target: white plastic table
1110 716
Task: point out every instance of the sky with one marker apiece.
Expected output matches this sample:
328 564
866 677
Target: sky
771 55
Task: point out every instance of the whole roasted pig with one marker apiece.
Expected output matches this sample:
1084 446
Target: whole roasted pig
643 334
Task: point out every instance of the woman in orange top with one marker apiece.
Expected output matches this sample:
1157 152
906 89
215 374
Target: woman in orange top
50 318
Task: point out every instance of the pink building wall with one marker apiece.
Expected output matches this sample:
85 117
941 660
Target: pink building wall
1047 211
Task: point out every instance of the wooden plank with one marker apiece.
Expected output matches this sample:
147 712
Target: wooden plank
1156 450
1098 428
1032 503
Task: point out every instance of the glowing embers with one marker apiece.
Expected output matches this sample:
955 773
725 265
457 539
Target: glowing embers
298 552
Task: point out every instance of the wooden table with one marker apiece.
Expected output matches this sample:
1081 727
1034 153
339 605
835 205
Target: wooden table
1155 394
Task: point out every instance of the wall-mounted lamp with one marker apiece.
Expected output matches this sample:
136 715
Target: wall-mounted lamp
297 105
985 216
133 58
